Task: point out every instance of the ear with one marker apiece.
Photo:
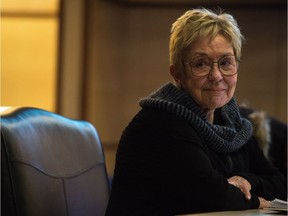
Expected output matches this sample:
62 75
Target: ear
176 74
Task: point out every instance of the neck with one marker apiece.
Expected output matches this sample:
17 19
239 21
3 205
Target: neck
210 115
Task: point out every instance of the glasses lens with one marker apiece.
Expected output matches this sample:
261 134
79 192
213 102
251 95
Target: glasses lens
201 66
228 65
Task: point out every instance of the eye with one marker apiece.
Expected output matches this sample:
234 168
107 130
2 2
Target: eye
201 63
227 62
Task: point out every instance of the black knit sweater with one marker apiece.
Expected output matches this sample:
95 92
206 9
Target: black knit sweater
164 166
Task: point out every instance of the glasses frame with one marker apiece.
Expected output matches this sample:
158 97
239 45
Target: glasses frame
219 68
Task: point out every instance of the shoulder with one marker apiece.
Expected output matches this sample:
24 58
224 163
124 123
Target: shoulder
252 145
160 126
157 115
161 121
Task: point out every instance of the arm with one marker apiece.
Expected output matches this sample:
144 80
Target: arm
245 187
266 181
192 179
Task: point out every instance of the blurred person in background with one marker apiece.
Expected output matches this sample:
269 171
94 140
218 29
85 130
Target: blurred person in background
271 135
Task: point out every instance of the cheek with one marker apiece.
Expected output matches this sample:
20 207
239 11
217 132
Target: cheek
193 82
194 87
232 83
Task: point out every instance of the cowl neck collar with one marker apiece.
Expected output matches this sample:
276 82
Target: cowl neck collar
230 136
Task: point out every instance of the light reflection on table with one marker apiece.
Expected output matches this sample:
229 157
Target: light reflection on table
251 212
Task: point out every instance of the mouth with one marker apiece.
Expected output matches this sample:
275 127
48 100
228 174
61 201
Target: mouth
215 91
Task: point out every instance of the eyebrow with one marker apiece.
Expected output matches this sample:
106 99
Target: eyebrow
201 54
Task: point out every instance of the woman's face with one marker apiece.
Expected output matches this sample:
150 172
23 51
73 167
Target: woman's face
213 90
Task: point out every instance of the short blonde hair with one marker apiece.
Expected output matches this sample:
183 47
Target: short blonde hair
198 24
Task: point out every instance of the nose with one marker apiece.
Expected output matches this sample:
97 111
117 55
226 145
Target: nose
215 73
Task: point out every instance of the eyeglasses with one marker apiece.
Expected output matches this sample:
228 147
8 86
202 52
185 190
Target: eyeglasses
202 66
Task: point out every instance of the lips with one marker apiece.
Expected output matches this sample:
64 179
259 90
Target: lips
215 91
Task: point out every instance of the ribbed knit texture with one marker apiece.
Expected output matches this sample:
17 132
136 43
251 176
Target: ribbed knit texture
229 137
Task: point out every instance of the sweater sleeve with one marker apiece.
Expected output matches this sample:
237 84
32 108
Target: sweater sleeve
191 179
266 181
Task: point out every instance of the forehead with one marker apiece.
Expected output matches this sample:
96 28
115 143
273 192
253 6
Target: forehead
212 47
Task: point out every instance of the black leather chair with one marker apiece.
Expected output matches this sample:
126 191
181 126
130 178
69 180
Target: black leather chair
51 165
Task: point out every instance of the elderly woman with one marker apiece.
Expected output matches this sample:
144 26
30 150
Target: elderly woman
188 150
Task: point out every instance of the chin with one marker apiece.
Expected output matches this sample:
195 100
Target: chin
213 106
213 103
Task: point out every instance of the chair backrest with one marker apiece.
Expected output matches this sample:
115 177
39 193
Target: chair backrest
51 165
